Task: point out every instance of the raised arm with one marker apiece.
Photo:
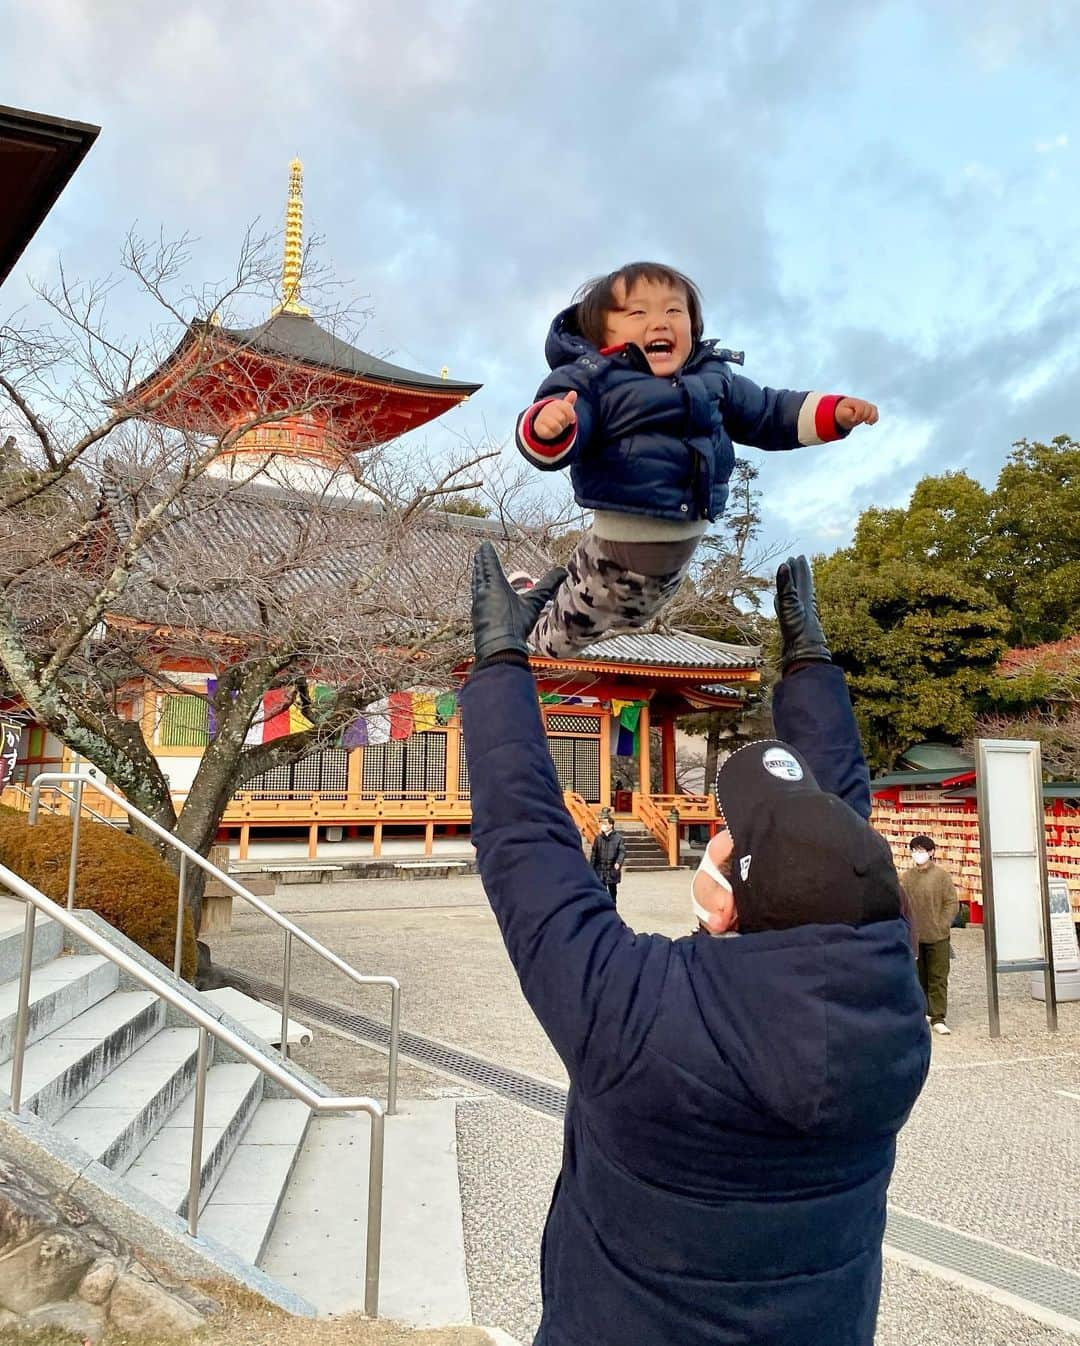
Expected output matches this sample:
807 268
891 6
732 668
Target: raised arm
811 706
593 984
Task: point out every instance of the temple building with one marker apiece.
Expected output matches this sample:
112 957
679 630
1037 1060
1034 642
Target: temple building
402 773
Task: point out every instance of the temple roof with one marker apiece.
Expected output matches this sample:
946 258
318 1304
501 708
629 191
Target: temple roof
671 649
438 546
291 336
38 155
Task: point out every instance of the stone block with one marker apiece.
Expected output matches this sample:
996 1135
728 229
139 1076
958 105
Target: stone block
96 1286
85 1322
22 1218
49 1267
144 1307
217 909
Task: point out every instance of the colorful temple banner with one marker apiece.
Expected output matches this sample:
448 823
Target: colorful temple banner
401 715
446 707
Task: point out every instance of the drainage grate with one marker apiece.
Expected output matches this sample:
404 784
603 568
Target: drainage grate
512 1084
1040 1283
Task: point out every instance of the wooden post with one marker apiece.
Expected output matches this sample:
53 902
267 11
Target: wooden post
429 837
313 842
453 759
672 842
354 780
605 759
667 740
376 841
245 837
643 740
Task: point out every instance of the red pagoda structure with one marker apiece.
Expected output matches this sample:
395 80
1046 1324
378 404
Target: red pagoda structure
326 398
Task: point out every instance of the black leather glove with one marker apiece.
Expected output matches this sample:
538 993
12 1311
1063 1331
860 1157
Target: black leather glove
501 618
802 640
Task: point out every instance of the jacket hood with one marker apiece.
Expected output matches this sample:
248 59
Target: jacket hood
823 1024
565 344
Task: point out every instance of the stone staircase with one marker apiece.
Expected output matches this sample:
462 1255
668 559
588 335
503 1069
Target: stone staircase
642 852
112 1075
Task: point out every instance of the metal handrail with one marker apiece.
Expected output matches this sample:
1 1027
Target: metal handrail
208 1027
98 817
189 855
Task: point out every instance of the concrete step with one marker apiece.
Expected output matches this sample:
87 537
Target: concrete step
118 1118
233 1092
60 1070
317 1242
59 990
245 1202
48 938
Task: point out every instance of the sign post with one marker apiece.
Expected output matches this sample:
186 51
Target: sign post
1012 835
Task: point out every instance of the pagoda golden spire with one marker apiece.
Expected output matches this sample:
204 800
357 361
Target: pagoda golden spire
293 261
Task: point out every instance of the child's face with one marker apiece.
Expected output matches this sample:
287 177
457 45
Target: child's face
655 317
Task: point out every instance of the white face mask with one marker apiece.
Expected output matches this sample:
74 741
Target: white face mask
920 857
706 867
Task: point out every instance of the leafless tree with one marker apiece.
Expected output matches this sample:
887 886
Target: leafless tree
130 557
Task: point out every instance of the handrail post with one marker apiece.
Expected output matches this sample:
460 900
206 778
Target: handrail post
22 1014
373 1249
286 979
73 864
195 1179
395 1024
178 952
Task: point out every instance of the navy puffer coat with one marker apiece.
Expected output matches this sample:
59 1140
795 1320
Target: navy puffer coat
734 1103
663 446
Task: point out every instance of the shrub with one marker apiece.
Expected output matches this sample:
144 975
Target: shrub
120 877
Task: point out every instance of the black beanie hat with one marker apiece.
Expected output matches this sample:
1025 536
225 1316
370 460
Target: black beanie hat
801 856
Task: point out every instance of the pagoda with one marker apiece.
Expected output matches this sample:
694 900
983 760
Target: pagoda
327 399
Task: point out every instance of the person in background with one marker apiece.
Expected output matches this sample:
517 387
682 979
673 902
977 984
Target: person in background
932 897
609 856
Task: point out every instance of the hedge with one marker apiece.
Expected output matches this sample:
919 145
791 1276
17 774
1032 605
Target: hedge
121 878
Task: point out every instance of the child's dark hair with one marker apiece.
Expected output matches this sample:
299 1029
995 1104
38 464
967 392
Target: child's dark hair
597 297
922 843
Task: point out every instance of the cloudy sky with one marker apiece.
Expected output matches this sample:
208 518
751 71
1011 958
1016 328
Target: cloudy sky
877 198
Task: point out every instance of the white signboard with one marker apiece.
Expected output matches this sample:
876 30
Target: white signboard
1063 928
1011 824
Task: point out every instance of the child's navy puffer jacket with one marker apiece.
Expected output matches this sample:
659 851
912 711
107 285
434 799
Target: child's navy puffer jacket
662 446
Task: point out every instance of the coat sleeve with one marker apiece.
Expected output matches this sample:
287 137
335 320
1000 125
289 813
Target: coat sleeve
812 711
620 853
775 418
591 981
550 455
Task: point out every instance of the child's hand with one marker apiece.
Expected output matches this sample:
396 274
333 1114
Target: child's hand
554 418
853 411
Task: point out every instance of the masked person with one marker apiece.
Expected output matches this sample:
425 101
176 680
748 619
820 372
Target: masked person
608 856
734 1102
934 904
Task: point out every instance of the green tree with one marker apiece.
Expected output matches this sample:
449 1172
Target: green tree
918 642
1034 546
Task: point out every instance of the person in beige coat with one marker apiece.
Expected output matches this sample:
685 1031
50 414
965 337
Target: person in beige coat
932 897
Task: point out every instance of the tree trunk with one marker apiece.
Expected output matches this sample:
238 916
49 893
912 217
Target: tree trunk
712 753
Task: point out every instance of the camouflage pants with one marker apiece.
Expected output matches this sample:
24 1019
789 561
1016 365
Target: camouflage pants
610 586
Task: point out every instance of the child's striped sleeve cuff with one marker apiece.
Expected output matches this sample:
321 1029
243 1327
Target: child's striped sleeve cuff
543 452
817 419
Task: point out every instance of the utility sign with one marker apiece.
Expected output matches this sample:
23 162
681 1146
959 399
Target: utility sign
1012 838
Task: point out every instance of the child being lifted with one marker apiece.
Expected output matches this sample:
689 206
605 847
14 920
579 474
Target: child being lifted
643 411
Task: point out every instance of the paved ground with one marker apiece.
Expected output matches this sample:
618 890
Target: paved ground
991 1149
